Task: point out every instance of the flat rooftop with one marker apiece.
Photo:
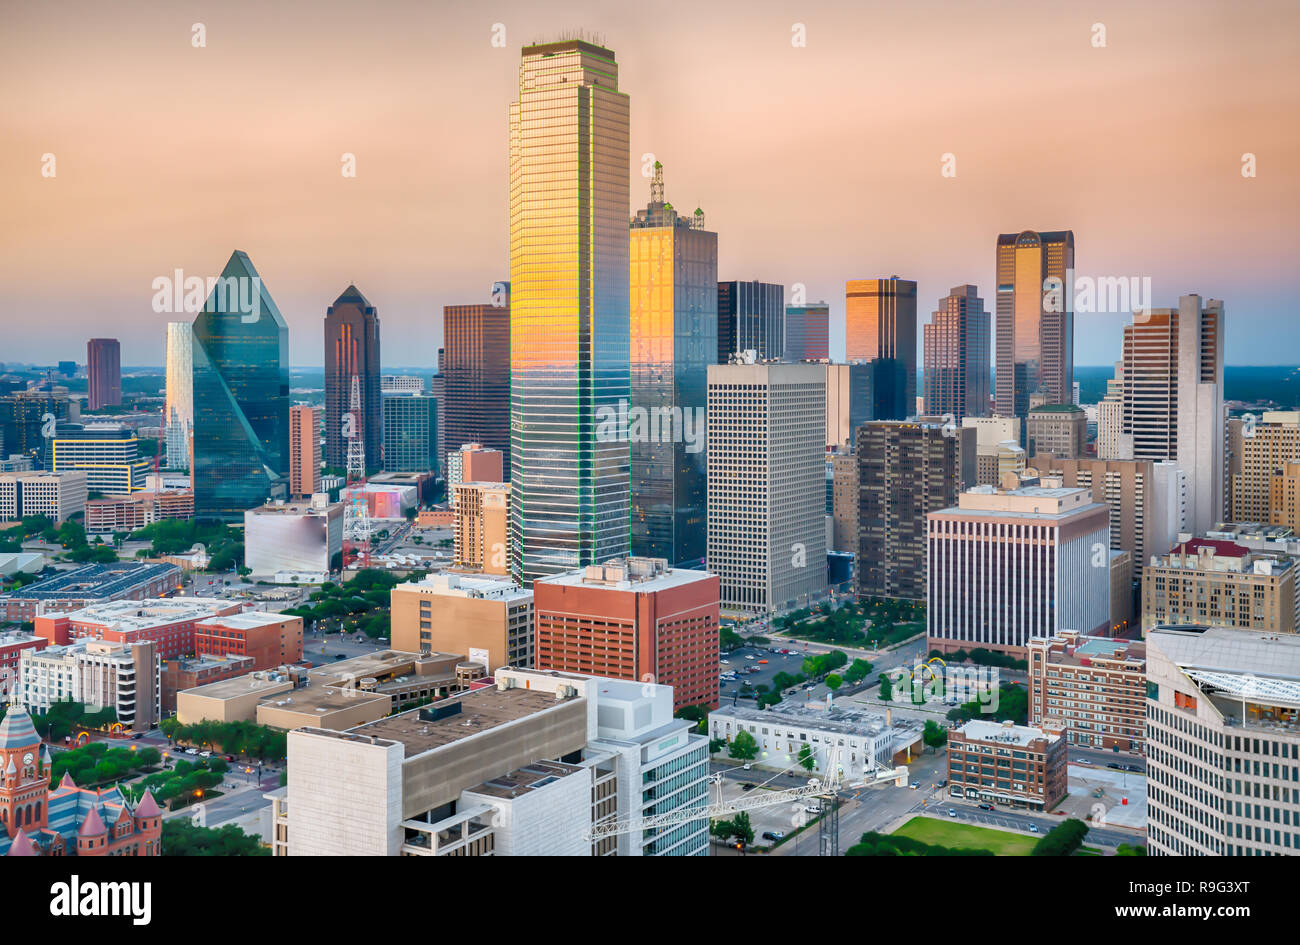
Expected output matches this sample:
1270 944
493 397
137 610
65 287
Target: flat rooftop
145 614
293 508
250 620
95 581
841 721
1017 735
321 699
612 575
1223 649
481 710
525 780
379 663
240 685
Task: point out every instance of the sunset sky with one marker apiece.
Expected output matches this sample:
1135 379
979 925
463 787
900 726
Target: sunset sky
816 164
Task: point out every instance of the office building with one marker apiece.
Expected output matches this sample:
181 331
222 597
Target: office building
850 397
905 471
410 432
104 373
481 533
269 640
674 279
101 674
411 383
193 672
1218 583
178 408
490 619
569 361
808 332
1223 742
957 356
1110 419
1093 687
1272 442
997 448
294 537
1007 565
304 451
473 462
880 327
1147 500
532 765
88 584
23 423
241 396
1173 399
56 495
1058 429
108 453
67 820
751 317
1035 320
1284 496
352 351
844 503
166 622
476 373
767 485
12 645
1019 766
634 619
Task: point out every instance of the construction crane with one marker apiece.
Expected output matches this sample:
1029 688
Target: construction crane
827 788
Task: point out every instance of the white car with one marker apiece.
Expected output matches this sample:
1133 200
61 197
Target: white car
725 662
751 656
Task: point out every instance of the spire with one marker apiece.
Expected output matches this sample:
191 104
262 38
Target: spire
22 845
67 781
147 807
93 825
17 730
657 184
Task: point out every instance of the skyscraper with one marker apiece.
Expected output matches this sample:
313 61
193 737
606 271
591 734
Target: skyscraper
905 471
751 317
808 332
476 375
410 432
352 350
957 356
241 396
104 370
1173 399
569 368
880 326
1035 326
673 298
178 410
767 485
304 451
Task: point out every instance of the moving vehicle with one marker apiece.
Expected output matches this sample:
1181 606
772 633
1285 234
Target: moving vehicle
1033 828
773 835
762 661
750 656
986 807
951 812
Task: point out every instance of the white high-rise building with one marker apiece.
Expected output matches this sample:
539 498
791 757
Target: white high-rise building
1223 742
767 484
178 411
1110 420
1173 398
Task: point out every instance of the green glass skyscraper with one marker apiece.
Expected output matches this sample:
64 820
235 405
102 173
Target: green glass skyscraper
241 396
568 310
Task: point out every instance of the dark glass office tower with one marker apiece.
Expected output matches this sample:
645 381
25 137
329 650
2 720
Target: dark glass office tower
241 396
568 310
352 349
751 317
957 342
673 298
1035 352
880 324
476 374
104 373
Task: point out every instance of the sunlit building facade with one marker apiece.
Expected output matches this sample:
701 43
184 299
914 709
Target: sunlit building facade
352 350
241 396
476 373
178 410
1035 327
673 277
957 356
880 326
568 310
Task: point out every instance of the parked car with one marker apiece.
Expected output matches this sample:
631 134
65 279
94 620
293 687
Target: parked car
762 661
205 754
951 812
773 835
986 807
137 735
1033 828
191 751
750 656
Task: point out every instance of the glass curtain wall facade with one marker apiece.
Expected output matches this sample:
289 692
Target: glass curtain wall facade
352 349
751 317
568 310
673 277
1035 346
880 326
178 412
477 374
957 356
241 396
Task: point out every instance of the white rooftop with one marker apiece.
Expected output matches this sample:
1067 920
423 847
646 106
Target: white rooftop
249 620
143 614
1005 733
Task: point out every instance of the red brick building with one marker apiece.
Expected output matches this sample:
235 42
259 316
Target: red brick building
270 639
66 821
168 622
11 647
633 618
190 673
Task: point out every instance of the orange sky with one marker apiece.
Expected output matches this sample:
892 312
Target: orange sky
815 164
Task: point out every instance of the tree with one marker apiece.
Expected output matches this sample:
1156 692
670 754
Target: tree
742 829
181 838
935 735
744 746
857 671
886 688
1062 840
834 682
807 758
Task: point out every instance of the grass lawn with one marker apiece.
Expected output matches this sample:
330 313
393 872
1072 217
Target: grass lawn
951 833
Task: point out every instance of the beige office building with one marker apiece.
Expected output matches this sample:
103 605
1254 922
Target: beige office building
1219 583
57 495
1058 429
997 448
844 503
1263 447
489 619
481 533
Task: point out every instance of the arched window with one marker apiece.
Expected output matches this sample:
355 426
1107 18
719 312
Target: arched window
38 810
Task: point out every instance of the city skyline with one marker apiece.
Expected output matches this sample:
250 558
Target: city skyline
828 214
